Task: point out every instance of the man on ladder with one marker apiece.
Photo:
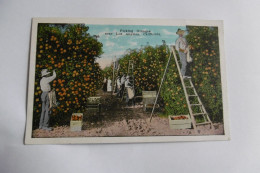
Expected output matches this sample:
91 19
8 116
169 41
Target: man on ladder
181 46
183 50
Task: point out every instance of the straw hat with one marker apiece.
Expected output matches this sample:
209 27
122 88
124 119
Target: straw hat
180 31
45 72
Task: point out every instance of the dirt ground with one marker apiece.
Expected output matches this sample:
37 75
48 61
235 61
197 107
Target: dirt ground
133 127
125 121
119 120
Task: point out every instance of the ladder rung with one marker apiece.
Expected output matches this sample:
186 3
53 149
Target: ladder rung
198 124
189 87
196 104
192 95
198 114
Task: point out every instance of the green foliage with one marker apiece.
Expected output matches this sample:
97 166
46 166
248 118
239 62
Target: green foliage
172 92
108 72
205 68
149 63
149 66
72 52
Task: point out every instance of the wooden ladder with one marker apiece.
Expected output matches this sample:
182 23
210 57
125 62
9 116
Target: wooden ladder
191 96
131 71
198 104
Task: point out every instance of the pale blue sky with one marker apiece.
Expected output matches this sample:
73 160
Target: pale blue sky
116 45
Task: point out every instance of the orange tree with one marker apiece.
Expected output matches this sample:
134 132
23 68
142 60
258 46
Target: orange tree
172 91
149 65
72 52
205 68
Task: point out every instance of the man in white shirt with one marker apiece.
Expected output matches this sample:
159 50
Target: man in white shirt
46 88
130 91
109 85
181 46
123 79
118 85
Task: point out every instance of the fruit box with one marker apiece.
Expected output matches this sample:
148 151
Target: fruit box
149 97
179 121
76 122
93 100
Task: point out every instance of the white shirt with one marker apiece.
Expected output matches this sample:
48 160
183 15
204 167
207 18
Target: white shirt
109 85
128 84
118 82
122 80
45 82
109 82
181 43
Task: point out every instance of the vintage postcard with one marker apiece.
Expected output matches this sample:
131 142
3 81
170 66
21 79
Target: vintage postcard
126 80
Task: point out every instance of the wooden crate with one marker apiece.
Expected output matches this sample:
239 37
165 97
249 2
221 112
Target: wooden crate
179 123
93 105
93 100
148 98
76 122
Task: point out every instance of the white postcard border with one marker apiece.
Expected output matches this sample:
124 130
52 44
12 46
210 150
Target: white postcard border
126 21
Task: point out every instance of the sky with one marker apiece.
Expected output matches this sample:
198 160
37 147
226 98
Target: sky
116 39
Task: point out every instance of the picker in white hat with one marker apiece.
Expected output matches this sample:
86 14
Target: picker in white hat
181 46
45 72
180 31
46 88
